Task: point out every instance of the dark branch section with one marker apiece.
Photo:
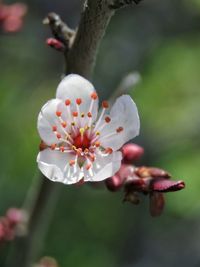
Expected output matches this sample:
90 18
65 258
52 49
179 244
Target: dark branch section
123 3
94 20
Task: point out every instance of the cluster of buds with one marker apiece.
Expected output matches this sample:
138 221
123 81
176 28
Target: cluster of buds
10 222
11 16
142 180
47 262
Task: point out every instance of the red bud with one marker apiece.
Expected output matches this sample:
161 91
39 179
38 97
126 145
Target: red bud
54 43
131 152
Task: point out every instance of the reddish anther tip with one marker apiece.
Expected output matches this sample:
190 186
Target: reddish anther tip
72 162
131 152
78 101
67 102
58 113
94 96
53 146
105 104
89 115
88 166
109 150
75 114
58 135
64 124
119 130
107 119
54 128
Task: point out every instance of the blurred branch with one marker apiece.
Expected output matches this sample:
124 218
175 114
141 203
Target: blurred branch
123 3
127 83
80 57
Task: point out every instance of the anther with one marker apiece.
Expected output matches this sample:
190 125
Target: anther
120 129
53 146
54 128
73 123
105 104
92 157
64 124
82 115
97 133
78 101
62 149
97 144
58 113
67 102
86 150
71 162
75 114
81 130
58 135
107 119
109 150
89 115
88 166
94 96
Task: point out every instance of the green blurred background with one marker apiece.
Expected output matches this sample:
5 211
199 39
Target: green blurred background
161 40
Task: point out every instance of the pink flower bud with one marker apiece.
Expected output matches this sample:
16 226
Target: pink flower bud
15 216
56 44
12 24
131 152
163 185
114 183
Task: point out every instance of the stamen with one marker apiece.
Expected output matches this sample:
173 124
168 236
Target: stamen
62 148
82 115
54 128
53 146
88 166
97 133
97 144
78 101
75 114
94 96
89 115
105 104
108 150
64 124
58 113
67 102
120 129
58 135
72 162
107 119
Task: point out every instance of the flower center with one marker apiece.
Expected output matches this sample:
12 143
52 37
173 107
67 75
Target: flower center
81 141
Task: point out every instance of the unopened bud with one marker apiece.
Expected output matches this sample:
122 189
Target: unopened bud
157 203
114 183
56 44
145 172
166 185
131 152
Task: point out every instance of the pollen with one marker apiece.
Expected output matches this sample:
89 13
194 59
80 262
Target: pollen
58 113
73 123
78 101
119 129
94 96
82 115
97 133
107 119
81 130
67 102
105 104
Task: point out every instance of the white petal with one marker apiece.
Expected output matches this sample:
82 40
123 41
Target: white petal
124 114
55 166
103 167
74 86
46 119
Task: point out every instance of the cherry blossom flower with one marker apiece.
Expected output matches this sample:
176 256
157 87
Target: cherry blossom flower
78 145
